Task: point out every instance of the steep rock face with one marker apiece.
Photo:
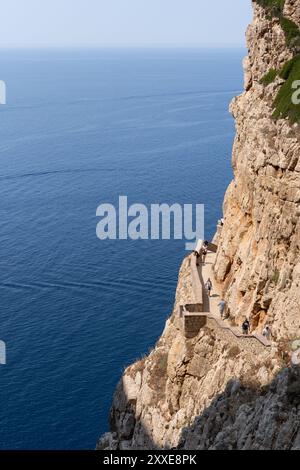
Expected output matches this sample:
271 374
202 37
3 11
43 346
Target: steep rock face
258 260
243 418
204 392
212 392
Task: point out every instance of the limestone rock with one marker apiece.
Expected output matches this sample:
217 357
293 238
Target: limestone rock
212 391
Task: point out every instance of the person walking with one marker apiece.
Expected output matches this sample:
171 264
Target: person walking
267 332
222 307
246 327
199 258
208 287
204 253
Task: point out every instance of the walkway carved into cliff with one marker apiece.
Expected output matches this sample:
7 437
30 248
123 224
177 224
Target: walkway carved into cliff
203 310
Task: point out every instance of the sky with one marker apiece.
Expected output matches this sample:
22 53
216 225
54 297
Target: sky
127 23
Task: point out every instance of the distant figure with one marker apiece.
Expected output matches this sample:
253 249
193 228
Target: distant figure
208 286
222 306
267 332
204 253
198 256
205 244
222 222
246 327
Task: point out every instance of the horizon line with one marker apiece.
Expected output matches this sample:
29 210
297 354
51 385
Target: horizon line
125 47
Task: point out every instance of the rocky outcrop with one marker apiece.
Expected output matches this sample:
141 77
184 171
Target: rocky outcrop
188 391
246 418
212 391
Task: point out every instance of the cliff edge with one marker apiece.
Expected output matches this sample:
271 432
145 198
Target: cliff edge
214 390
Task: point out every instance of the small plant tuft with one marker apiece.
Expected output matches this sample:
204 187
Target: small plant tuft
269 77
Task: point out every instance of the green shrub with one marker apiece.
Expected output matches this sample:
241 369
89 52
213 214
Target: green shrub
290 29
288 67
269 77
284 107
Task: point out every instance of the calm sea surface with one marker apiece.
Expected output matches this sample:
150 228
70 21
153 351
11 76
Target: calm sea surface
81 128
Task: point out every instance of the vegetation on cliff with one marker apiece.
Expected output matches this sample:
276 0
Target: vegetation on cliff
283 104
275 7
269 77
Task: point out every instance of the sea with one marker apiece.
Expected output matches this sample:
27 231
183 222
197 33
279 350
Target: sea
81 128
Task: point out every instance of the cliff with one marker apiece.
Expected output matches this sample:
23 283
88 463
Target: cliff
258 259
212 389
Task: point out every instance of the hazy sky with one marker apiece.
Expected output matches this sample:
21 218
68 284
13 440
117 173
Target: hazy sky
94 23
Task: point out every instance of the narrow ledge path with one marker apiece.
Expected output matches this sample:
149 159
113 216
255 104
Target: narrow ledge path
204 308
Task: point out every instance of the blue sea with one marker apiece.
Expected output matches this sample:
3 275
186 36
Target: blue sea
79 129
